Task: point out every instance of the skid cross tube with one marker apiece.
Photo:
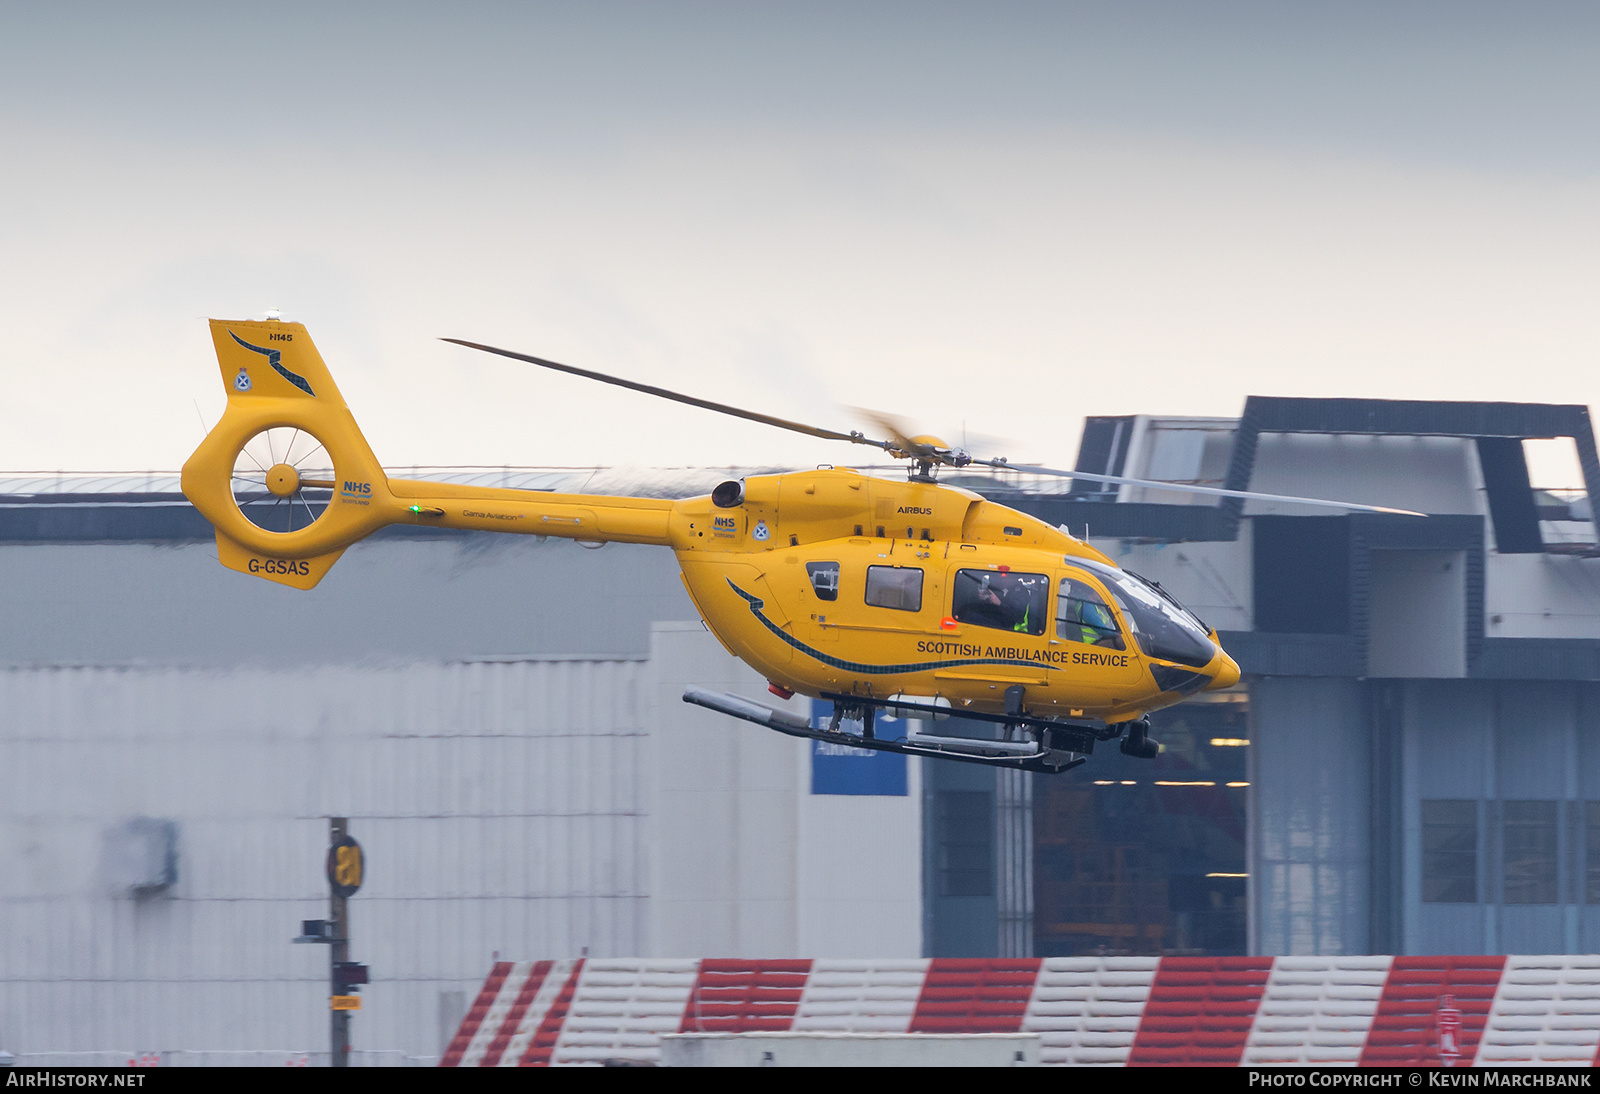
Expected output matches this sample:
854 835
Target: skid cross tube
1038 761
1099 732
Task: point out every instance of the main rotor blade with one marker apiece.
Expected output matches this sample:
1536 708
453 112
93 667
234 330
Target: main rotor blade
704 404
1185 488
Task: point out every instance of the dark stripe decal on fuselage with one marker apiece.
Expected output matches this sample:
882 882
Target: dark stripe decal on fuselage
756 604
274 358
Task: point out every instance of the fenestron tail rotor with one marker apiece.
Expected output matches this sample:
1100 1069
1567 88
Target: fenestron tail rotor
282 479
926 453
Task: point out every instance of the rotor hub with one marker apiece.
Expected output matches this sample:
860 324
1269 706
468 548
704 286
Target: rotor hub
282 480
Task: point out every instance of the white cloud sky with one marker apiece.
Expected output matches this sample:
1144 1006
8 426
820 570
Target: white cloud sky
1000 224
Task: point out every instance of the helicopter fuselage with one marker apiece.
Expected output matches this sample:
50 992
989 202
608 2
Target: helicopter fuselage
790 595
832 582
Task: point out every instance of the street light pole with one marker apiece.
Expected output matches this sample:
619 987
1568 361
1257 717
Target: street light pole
339 950
345 867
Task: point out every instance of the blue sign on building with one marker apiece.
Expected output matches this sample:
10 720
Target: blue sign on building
844 769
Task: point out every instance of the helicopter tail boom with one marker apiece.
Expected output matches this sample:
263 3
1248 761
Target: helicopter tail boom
591 518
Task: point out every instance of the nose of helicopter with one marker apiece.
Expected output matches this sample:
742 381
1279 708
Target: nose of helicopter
1224 671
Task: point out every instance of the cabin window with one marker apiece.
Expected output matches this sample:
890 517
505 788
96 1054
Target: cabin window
895 587
1082 615
824 579
1002 599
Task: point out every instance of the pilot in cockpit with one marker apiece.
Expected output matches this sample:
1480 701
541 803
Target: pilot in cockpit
1085 618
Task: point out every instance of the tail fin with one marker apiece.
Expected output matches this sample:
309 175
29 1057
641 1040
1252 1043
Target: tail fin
286 477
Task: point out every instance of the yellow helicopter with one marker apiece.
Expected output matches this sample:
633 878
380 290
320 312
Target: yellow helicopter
916 598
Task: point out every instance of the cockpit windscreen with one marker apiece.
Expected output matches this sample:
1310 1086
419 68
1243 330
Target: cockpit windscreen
1163 627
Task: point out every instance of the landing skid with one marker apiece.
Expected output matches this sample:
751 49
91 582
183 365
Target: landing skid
1061 748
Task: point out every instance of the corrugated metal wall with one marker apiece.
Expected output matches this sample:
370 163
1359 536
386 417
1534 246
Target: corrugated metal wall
1338 797
451 597
501 806
501 722
1494 743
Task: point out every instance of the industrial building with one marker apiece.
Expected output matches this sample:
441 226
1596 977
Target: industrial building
1411 765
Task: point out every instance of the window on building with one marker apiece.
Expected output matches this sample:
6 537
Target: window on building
1126 863
1529 851
1450 851
824 579
966 842
1591 847
1001 599
1301 574
895 587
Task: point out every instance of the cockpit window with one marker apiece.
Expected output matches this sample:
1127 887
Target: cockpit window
824 579
1082 615
1163 627
1001 599
895 587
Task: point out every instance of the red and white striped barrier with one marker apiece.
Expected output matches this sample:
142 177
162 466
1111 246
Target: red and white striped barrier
1224 1011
